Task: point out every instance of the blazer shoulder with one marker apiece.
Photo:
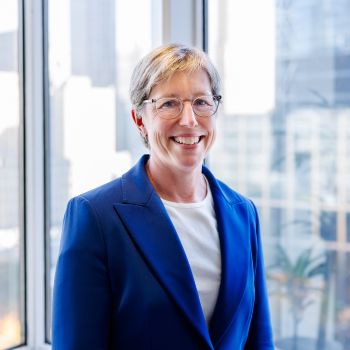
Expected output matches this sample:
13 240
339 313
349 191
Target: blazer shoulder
219 187
237 199
108 193
231 194
133 186
234 197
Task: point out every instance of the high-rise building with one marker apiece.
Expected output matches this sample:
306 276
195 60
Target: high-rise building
293 161
93 50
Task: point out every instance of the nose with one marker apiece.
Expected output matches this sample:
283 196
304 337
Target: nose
187 116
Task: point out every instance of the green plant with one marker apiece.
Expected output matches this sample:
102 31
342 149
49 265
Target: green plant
295 281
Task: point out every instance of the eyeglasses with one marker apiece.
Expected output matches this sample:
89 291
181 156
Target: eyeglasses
171 107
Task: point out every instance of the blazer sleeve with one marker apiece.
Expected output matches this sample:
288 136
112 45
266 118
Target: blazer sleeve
260 332
82 302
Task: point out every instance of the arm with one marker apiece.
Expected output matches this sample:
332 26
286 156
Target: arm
260 332
82 300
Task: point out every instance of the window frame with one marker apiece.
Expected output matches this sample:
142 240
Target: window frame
34 171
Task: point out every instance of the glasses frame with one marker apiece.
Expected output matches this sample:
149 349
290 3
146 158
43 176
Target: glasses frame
216 98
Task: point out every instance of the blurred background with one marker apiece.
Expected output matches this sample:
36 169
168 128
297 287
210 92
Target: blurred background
283 140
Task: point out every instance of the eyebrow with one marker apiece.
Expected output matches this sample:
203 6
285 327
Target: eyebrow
178 96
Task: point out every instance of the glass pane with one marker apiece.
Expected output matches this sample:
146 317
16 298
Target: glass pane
93 47
11 179
284 140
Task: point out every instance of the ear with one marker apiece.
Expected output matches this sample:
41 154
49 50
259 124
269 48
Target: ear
136 118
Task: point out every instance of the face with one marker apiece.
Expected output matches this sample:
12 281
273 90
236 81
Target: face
179 144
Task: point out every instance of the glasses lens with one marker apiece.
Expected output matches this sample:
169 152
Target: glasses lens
168 107
205 106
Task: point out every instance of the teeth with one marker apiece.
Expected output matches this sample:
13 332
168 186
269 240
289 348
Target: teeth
187 140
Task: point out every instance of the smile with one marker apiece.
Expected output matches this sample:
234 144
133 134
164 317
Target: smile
187 140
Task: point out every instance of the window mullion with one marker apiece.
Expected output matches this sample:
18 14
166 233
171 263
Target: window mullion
34 154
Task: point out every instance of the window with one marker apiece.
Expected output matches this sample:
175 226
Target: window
12 310
93 47
284 140
70 62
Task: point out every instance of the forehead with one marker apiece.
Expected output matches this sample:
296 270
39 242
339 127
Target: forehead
184 82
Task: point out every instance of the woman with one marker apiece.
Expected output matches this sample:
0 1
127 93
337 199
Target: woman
166 257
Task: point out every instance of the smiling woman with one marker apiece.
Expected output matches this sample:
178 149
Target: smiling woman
178 145
166 256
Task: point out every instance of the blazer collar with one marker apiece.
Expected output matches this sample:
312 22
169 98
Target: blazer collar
150 227
233 226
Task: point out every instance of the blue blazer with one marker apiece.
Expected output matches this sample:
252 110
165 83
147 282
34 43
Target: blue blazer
123 281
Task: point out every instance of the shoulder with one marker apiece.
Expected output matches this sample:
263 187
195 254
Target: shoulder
228 202
106 193
115 191
226 192
94 203
232 195
240 203
87 211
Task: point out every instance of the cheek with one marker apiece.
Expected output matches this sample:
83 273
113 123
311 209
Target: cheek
212 139
157 131
211 127
214 135
148 126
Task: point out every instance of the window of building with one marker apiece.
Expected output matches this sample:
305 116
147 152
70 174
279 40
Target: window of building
70 62
93 47
12 291
284 141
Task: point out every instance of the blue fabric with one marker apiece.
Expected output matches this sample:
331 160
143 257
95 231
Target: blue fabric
123 280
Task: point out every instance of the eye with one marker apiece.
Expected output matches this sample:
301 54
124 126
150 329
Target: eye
204 101
167 103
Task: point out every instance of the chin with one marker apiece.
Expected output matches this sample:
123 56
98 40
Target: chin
190 164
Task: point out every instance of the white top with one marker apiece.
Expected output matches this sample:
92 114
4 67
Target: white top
196 226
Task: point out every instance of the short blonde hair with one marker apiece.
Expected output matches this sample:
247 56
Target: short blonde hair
162 63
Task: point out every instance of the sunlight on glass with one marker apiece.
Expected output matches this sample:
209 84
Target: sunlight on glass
284 141
251 46
11 283
10 331
8 16
93 47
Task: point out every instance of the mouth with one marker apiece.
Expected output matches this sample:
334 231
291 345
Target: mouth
193 140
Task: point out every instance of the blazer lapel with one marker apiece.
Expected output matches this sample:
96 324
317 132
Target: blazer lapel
152 231
234 244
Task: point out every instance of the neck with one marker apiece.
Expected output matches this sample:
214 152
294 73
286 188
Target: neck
188 187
